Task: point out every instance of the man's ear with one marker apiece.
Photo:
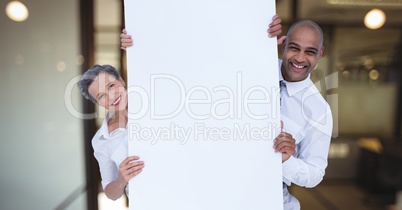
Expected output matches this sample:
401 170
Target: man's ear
284 44
281 40
321 52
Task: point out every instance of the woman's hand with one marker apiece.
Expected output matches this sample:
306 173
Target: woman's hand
126 40
128 169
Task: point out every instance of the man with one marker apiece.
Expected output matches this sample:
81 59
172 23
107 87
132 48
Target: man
306 116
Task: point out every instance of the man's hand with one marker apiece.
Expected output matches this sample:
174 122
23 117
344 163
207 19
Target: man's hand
126 40
129 168
285 144
275 29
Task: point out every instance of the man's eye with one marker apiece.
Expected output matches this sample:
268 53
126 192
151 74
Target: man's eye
310 53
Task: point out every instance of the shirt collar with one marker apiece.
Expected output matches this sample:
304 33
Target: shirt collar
294 87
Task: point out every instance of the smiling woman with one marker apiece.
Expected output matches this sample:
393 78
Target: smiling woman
104 86
109 91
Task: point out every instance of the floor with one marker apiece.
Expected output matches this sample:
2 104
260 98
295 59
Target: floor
328 195
340 195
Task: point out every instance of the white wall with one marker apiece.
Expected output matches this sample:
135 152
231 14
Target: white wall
41 143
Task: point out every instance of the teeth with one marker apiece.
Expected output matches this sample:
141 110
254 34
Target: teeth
297 66
117 101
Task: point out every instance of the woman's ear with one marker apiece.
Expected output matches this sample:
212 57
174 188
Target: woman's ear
122 81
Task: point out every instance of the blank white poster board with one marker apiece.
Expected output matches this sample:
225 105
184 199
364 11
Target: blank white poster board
203 105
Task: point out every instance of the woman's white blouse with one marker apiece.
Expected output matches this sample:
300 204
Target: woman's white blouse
110 149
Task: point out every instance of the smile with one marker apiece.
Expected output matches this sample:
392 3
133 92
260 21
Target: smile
297 66
116 102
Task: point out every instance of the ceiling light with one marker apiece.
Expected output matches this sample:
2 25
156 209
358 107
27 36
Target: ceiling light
374 74
17 11
374 19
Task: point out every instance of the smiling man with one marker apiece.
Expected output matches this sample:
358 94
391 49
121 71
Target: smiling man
301 51
306 116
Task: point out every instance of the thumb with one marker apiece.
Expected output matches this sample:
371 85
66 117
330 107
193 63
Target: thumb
281 125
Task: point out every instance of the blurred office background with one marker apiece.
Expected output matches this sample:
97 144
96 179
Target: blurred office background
46 159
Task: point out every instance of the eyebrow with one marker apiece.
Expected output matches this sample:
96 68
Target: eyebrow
308 48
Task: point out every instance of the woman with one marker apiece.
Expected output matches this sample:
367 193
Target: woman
103 86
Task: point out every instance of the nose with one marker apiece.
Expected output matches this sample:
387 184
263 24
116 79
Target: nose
300 57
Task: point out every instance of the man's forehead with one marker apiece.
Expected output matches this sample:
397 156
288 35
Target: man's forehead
300 31
304 40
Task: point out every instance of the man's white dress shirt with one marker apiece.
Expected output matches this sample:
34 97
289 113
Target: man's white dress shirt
307 117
